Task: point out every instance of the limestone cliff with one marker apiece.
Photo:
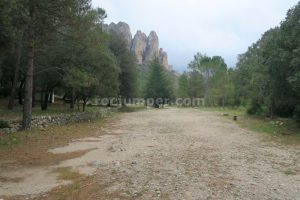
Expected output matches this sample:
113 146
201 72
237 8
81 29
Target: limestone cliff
144 48
152 50
139 46
121 29
163 58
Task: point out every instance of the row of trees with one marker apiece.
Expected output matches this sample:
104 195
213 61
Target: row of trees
266 79
267 76
60 44
209 78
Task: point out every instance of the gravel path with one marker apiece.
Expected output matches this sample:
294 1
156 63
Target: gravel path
183 154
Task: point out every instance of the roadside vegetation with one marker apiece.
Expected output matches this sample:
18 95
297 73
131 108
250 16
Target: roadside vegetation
59 48
282 129
38 141
265 80
48 54
53 109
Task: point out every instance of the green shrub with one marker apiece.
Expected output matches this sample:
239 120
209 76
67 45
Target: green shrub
4 124
297 114
254 108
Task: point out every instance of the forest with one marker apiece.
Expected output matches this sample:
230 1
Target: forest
265 80
60 46
206 131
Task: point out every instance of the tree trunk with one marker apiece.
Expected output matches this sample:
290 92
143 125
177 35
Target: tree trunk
11 101
272 110
42 97
45 100
223 101
72 98
108 104
27 107
33 94
20 92
123 102
155 105
78 104
84 103
83 106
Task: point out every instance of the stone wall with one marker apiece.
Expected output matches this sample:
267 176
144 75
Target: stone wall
61 119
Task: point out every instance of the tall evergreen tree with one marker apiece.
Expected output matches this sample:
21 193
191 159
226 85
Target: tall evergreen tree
158 85
183 85
126 61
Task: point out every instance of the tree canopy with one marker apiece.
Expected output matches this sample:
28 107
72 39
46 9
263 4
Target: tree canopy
60 45
267 75
158 84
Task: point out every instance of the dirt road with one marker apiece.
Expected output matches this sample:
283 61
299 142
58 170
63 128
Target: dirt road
173 154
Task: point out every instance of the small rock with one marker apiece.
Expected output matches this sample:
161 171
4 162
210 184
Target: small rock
96 163
136 193
112 148
116 163
42 128
281 123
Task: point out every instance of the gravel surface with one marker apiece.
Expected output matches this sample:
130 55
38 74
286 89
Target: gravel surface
181 154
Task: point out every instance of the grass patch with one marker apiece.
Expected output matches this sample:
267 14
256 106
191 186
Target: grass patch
225 110
290 172
131 108
31 147
50 134
66 173
287 130
8 141
53 109
11 180
83 188
258 125
16 113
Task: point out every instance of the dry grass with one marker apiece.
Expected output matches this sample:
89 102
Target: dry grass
285 131
66 173
31 147
13 180
83 188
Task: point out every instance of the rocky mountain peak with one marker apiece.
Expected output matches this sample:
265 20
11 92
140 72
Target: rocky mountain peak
163 59
152 50
144 48
139 45
122 29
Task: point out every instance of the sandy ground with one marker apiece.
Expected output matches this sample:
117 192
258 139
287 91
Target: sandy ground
173 154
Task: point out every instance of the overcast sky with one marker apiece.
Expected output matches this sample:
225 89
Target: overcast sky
214 27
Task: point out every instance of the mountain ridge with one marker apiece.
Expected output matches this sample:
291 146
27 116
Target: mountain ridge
145 48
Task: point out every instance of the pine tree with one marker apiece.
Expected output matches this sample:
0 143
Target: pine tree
158 85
